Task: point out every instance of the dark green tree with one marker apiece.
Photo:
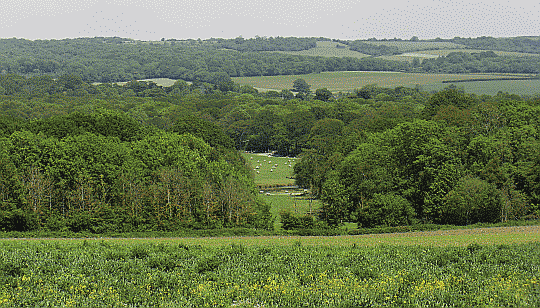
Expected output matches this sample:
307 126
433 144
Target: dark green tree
301 86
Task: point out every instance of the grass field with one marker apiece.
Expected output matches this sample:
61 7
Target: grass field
272 171
348 81
327 49
408 46
489 269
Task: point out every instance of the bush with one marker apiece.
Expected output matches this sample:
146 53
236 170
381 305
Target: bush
386 209
472 200
18 220
292 221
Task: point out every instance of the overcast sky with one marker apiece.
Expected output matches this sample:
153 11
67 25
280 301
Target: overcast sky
343 19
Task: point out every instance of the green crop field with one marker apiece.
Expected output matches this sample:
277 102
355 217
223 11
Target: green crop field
487 269
520 87
327 49
348 81
407 46
271 171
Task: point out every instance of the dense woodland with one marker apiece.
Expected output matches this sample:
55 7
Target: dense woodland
139 156
76 156
115 59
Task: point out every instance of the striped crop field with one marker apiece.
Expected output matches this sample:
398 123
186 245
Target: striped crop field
327 49
348 81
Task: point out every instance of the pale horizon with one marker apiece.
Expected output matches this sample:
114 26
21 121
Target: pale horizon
339 19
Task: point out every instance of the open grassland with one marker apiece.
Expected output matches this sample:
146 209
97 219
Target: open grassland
348 81
408 46
256 273
271 171
327 49
520 87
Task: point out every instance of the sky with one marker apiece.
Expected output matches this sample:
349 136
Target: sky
341 19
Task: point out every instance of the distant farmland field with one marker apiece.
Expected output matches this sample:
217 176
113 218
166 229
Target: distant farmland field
424 54
348 81
444 52
520 87
407 46
327 49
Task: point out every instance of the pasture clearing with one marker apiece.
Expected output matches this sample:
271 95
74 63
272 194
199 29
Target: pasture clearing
271 171
348 81
290 272
408 46
520 87
327 49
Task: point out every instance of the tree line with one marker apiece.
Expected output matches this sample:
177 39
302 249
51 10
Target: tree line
114 59
105 172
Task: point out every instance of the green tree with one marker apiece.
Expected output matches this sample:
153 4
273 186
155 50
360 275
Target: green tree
301 86
323 94
472 200
386 209
211 133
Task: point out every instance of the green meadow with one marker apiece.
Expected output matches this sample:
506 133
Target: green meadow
271 171
327 49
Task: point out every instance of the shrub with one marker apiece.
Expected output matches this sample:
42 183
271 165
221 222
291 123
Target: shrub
292 221
386 209
472 200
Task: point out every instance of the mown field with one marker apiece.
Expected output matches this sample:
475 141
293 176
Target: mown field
327 49
348 81
498 269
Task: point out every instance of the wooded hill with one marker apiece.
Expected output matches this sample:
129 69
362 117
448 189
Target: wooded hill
116 59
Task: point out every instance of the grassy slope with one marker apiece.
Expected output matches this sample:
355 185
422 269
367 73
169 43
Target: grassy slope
327 49
280 176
